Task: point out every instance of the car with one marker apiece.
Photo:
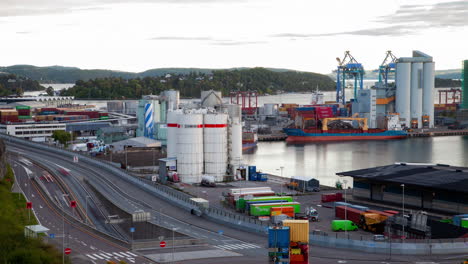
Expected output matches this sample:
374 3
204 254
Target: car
379 238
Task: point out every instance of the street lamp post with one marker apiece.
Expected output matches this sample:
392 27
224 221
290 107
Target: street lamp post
173 229
346 207
403 212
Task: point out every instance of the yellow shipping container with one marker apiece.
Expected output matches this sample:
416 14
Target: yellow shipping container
299 230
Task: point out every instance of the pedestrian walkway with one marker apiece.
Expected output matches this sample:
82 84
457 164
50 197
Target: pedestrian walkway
103 257
242 246
201 254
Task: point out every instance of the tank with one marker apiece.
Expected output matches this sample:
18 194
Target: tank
235 142
115 106
130 107
234 111
416 92
172 117
190 147
172 98
403 85
215 145
428 92
270 109
211 98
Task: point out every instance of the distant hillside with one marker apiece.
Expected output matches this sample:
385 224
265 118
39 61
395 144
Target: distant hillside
61 74
442 74
262 80
11 84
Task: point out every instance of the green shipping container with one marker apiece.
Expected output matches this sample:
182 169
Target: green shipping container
264 209
104 118
24 117
241 203
22 107
464 222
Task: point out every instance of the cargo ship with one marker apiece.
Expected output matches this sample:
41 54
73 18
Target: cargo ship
249 140
317 135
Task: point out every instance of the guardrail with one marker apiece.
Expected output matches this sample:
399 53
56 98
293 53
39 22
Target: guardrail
180 199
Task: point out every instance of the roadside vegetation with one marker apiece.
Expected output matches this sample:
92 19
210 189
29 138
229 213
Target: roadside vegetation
14 246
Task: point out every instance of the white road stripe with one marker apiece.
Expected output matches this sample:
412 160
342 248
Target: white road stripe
91 257
98 256
130 253
253 245
227 246
107 255
125 255
117 254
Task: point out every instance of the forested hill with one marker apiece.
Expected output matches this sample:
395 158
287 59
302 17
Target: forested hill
262 80
11 84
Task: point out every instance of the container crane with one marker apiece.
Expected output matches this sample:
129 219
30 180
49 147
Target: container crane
387 67
348 68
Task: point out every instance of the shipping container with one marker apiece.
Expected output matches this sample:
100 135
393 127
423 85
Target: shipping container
241 203
359 207
457 219
351 214
250 203
289 211
464 222
252 173
24 117
278 237
299 230
265 209
332 197
379 212
22 107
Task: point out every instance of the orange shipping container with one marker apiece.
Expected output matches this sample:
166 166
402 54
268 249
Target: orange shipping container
288 210
299 230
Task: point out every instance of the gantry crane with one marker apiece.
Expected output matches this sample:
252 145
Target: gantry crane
348 68
387 67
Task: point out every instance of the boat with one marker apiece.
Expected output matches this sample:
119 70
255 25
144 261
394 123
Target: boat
249 140
317 97
341 129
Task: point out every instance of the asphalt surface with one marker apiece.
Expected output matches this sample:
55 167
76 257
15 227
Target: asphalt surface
252 247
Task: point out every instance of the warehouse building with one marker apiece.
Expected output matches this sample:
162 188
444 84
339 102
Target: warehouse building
430 187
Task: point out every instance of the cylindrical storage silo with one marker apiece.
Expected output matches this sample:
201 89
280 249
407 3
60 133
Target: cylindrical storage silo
190 147
173 99
403 85
211 98
428 91
416 93
235 142
172 117
215 145
269 109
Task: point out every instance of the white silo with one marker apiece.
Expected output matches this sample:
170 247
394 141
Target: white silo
190 147
403 85
172 98
172 119
428 92
215 145
235 136
211 98
416 93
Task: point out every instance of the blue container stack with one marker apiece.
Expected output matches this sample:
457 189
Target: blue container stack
253 173
262 177
278 243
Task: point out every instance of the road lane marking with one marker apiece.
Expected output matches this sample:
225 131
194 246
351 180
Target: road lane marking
125 255
130 253
117 254
91 257
98 256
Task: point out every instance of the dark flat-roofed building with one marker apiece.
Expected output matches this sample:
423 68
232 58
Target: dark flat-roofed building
431 187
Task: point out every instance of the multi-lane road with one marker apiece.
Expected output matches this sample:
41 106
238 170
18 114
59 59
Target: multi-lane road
231 246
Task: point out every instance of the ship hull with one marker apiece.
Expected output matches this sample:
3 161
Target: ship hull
297 135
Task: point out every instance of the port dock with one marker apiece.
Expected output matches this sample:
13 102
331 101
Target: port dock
438 133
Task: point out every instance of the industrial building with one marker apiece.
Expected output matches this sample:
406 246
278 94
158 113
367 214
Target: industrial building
429 187
32 131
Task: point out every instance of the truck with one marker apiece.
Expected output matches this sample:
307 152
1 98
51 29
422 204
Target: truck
311 214
343 225
348 213
373 222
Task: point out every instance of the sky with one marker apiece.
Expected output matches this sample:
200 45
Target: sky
304 35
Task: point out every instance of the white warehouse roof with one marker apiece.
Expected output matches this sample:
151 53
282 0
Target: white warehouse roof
137 142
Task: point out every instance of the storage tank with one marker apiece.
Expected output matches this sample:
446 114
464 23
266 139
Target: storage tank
172 119
234 110
215 145
190 147
428 92
173 99
403 85
235 142
270 109
416 93
211 98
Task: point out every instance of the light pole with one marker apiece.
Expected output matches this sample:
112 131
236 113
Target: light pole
63 229
281 185
345 181
173 229
403 212
126 159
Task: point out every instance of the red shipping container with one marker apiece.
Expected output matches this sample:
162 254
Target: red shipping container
330 197
351 214
391 212
379 212
338 197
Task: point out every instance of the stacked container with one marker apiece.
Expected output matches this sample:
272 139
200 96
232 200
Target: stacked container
278 244
24 111
299 241
8 115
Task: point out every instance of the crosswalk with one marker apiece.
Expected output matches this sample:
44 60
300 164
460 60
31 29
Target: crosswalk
114 255
237 246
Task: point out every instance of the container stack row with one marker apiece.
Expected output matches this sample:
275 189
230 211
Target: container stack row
299 241
278 244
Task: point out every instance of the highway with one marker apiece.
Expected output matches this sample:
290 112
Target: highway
249 248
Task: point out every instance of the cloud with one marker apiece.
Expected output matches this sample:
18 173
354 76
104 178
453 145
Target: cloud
237 43
23 32
181 38
407 20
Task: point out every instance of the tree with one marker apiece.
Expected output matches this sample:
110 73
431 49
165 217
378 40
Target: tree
19 91
50 91
61 136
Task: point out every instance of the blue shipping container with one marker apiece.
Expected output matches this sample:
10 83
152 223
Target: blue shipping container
358 207
457 219
305 109
278 237
262 177
252 173
341 204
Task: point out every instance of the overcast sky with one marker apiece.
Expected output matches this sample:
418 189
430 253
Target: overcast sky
303 35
